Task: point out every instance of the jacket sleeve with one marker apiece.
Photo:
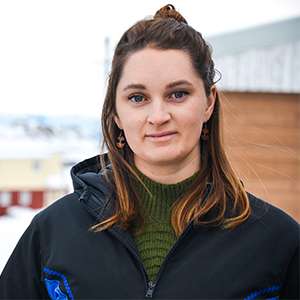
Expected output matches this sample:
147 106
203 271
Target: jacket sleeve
21 276
291 284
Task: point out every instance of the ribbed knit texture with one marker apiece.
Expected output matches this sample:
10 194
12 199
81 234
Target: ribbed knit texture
158 236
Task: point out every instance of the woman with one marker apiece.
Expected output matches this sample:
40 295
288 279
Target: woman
161 214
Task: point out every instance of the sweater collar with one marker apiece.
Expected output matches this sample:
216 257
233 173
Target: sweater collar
156 199
160 191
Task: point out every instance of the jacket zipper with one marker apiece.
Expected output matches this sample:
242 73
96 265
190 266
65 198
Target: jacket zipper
153 284
150 285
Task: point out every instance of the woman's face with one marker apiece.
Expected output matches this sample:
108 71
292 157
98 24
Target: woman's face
161 106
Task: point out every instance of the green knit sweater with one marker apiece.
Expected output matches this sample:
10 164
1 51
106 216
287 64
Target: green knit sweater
158 236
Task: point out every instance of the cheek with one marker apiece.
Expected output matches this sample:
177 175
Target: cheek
192 121
133 129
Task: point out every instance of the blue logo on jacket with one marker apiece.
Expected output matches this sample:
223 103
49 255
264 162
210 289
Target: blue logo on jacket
52 284
54 290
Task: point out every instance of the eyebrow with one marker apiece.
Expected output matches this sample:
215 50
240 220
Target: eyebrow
168 86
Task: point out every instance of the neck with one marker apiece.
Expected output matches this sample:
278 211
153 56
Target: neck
170 173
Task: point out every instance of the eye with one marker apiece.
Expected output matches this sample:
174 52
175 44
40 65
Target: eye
136 98
179 94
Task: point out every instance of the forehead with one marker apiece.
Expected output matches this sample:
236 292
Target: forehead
158 67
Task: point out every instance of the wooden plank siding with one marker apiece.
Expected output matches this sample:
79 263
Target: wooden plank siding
262 139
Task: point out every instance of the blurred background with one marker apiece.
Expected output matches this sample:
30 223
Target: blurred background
54 60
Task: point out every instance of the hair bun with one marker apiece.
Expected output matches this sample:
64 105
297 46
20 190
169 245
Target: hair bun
169 11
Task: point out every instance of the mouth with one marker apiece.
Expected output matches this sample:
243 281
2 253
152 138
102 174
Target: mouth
161 136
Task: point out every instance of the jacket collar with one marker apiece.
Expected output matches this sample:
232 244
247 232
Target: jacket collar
94 191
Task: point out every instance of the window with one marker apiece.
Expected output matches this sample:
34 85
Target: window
5 199
36 165
25 199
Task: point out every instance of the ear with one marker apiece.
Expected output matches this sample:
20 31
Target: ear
118 122
211 99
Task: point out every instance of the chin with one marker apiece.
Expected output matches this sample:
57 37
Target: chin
163 157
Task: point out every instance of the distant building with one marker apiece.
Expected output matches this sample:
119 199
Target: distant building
32 180
261 103
37 153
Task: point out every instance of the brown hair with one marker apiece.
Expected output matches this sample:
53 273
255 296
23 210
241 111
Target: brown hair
169 30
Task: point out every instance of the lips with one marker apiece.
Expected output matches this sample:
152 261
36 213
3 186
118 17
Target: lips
160 134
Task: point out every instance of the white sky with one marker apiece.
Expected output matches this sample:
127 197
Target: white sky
51 52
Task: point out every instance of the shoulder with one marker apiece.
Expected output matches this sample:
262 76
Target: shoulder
64 213
262 210
273 221
63 204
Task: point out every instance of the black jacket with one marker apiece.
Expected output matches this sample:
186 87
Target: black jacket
58 258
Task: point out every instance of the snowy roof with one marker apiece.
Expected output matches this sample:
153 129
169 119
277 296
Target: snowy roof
70 150
267 35
24 148
260 59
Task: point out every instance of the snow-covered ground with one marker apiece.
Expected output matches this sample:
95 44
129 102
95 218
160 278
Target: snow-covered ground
12 226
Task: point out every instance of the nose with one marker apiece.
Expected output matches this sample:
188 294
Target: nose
158 113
